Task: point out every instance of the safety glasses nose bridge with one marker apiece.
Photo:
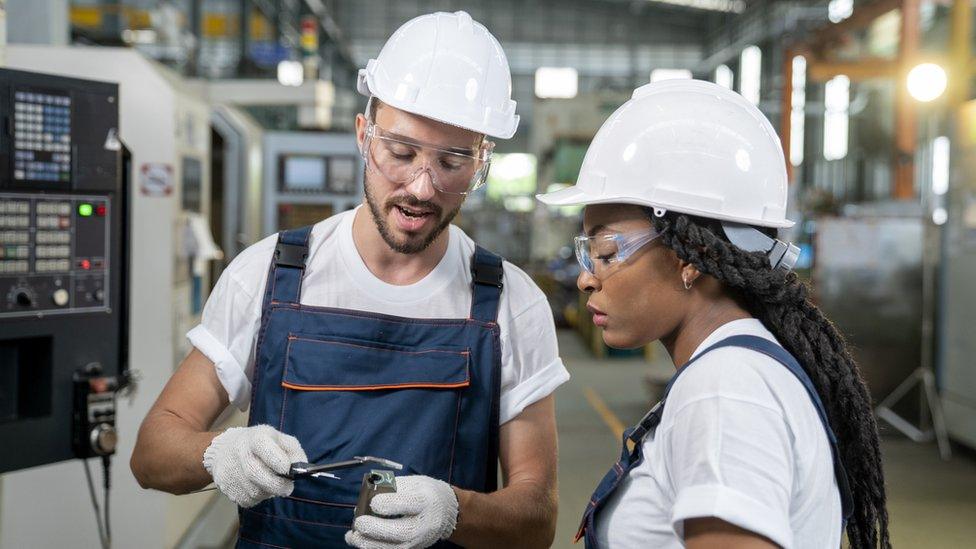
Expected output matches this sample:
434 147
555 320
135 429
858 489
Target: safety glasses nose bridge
461 174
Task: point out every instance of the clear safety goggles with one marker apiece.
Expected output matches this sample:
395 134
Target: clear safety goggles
598 254
402 160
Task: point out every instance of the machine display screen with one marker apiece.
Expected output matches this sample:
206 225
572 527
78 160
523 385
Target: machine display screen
343 174
42 136
304 174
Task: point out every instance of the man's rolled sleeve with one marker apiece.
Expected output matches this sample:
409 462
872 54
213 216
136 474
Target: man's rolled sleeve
531 353
229 371
228 329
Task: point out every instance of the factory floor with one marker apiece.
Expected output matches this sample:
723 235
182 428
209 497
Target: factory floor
931 503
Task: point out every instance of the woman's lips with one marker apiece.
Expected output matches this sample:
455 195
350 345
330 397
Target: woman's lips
599 317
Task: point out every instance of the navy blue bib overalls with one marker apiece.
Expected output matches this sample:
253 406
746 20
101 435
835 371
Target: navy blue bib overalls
629 459
422 392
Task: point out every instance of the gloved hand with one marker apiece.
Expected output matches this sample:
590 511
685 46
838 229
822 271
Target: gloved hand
246 463
428 510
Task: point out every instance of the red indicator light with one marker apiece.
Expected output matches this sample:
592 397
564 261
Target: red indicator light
85 264
101 210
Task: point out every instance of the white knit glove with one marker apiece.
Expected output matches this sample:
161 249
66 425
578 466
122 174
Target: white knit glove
246 463
426 511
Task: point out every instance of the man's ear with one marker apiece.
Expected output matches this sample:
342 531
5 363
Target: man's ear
361 124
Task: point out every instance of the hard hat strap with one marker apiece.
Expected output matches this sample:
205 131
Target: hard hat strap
782 255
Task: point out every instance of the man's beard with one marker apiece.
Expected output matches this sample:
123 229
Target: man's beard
409 246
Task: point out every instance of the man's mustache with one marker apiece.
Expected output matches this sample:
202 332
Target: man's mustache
413 203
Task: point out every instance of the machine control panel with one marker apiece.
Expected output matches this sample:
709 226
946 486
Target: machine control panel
54 252
64 207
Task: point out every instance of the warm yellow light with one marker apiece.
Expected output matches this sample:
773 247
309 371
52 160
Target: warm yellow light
927 82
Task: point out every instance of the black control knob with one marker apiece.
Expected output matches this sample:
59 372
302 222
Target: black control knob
24 299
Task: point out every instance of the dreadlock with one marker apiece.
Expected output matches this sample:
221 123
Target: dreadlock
780 301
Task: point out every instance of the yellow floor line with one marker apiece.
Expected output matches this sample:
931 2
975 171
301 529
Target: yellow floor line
613 422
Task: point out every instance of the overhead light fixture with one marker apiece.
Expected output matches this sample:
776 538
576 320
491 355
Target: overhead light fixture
940 165
670 74
838 10
556 82
750 65
926 82
798 111
724 76
837 102
291 73
728 6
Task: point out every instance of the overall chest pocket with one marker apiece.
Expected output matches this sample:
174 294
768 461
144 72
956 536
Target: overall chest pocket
345 398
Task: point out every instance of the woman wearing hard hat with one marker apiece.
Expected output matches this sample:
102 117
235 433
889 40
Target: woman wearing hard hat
765 435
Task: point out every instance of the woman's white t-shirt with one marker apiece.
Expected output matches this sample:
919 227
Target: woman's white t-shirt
740 440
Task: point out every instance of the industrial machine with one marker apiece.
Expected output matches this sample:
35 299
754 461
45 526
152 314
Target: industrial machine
236 173
166 125
867 278
957 298
309 176
63 265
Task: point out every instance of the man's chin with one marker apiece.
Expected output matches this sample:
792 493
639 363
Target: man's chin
407 242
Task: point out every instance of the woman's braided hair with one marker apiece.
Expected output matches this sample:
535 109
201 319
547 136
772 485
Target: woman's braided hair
779 300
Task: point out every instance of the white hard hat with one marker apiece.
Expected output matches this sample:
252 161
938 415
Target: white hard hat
687 146
447 67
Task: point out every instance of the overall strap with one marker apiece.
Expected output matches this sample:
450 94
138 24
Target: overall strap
486 291
486 285
288 266
652 418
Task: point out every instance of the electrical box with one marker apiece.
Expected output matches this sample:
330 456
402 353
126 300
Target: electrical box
63 259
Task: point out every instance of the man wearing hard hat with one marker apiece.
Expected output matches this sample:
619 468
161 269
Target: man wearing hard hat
383 331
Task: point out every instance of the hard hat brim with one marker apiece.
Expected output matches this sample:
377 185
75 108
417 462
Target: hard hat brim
574 196
570 196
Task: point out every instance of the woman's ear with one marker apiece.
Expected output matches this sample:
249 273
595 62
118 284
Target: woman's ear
689 274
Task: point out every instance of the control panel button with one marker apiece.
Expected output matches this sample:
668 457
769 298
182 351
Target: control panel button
60 297
23 298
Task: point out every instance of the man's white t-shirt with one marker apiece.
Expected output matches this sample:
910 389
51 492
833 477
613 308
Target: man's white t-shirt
739 440
336 276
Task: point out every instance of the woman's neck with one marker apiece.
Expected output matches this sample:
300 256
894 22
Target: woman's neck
697 326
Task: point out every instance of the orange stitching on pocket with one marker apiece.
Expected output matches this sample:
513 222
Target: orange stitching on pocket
297 387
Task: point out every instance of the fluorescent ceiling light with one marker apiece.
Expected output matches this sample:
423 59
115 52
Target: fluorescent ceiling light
940 165
670 74
557 82
750 63
724 76
729 6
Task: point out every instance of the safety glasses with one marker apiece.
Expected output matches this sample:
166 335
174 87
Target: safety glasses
401 160
598 254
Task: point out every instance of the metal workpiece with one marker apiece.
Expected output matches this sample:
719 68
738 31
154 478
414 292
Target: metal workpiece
377 481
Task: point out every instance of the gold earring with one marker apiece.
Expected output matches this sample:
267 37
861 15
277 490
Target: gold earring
687 283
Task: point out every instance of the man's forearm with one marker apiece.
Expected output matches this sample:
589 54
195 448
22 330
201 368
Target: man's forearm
168 455
519 515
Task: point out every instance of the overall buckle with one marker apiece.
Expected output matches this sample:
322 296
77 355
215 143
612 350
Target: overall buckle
490 275
291 255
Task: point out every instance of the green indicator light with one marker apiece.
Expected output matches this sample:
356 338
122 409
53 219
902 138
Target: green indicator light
84 210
